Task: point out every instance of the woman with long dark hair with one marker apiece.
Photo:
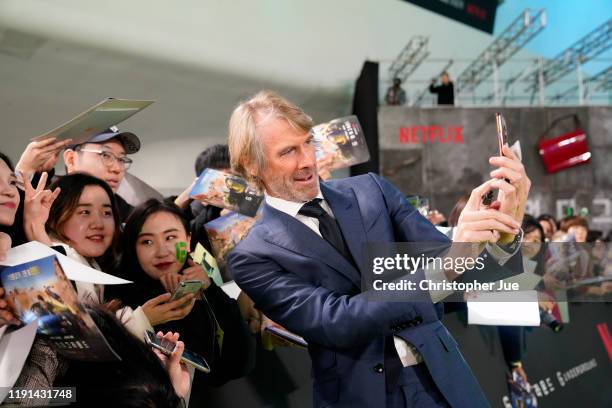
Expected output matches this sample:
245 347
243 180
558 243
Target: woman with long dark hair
10 223
214 328
78 217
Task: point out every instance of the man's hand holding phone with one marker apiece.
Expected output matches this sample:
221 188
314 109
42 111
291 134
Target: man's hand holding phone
479 223
511 173
512 197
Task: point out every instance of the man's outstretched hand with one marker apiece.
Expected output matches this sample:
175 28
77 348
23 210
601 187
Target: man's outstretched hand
511 201
481 223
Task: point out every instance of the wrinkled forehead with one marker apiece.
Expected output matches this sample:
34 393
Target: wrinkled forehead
278 132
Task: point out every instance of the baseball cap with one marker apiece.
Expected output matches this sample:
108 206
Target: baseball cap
130 142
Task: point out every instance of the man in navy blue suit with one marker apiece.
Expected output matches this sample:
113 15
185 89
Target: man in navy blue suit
301 265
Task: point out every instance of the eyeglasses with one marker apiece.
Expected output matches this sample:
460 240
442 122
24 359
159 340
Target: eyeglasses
108 158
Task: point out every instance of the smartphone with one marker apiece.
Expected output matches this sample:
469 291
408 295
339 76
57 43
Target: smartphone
502 139
502 131
186 287
286 335
166 347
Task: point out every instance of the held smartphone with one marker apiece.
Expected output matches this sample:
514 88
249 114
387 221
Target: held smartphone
502 139
166 347
186 287
502 131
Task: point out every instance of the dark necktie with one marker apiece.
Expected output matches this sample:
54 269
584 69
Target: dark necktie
328 227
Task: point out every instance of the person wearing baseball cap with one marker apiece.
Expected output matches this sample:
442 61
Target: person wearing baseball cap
105 156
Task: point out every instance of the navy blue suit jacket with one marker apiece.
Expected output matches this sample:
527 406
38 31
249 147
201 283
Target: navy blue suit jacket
300 281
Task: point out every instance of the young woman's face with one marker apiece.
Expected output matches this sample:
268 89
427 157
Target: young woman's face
9 196
91 227
156 244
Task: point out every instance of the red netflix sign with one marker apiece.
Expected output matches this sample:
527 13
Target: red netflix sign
431 134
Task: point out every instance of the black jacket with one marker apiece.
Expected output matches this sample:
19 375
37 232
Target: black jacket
231 359
446 93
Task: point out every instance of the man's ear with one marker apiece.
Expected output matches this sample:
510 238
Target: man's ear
69 160
251 171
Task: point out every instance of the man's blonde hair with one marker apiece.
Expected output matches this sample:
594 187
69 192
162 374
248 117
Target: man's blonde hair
244 141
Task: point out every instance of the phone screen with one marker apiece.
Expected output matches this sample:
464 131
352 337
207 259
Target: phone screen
186 287
166 347
196 360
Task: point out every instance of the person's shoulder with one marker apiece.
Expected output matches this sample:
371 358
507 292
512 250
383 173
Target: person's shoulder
254 237
360 181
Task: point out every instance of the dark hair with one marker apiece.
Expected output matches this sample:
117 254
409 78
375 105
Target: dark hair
8 161
453 217
72 186
215 157
548 218
530 224
15 231
573 221
129 265
138 380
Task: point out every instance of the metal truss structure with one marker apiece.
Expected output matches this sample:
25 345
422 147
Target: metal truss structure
526 26
600 82
583 50
410 58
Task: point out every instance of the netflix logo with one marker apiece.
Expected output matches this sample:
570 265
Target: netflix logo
476 11
431 134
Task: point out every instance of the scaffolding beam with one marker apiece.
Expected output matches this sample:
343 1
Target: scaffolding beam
599 82
409 59
579 53
526 26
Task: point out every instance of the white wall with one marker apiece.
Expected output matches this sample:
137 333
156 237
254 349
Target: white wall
197 59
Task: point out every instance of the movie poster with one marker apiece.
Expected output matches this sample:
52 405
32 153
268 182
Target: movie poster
341 141
40 290
226 190
225 232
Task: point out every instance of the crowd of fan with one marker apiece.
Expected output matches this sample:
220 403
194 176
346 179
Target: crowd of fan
81 215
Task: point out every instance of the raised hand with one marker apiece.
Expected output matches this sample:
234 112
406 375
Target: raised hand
41 155
478 223
511 201
160 310
36 207
170 281
5 245
178 372
196 272
183 200
6 316
324 167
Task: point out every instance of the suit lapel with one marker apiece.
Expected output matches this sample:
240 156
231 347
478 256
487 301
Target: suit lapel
289 233
346 210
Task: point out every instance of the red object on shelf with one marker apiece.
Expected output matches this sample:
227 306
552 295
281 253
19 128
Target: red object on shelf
564 151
